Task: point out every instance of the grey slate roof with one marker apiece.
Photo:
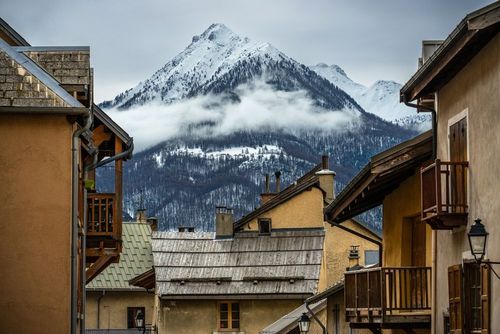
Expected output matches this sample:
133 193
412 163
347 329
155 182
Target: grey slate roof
135 259
286 263
21 61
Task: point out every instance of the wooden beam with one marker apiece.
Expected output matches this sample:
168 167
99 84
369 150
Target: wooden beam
99 135
117 217
96 268
485 20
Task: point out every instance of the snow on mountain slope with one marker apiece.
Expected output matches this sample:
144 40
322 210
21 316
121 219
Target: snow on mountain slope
381 98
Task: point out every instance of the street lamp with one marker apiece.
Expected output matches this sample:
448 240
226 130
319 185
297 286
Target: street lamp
304 323
139 320
477 240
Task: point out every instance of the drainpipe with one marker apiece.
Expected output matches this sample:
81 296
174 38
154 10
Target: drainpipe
376 242
99 309
316 318
74 218
84 245
125 154
434 123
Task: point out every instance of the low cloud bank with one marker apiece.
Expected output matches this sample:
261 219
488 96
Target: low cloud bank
259 107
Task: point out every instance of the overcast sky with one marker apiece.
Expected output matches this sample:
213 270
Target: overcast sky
130 39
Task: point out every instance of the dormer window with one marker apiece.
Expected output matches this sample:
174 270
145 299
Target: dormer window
265 226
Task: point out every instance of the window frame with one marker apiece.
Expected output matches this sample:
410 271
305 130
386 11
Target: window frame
260 221
230 319
132 320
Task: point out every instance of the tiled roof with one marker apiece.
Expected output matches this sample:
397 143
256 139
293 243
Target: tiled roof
135 259
286 263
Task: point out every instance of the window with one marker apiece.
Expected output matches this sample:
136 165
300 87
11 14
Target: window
132 313
229 315
371 257
265 226
469 297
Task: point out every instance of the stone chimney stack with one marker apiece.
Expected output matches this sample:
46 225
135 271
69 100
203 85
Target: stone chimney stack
267 194
224 222
354 256
141 216
327 179
153 223
278 181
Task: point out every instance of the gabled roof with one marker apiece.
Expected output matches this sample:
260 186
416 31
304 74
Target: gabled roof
11 36
379 177
195 265
136 258
464 42
111 124
308 180
29 74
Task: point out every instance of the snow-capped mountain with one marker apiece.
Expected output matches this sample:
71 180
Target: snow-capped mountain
381 98
186 176
218 61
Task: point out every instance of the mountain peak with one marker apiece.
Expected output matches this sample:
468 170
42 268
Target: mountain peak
216 32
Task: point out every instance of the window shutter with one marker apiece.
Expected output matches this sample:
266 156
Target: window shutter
455 298
485 298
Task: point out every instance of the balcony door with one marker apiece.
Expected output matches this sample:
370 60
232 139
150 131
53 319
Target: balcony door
458 153
418 288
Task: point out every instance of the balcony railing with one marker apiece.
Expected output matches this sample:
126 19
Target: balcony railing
147 330
379 294
444 194
101 214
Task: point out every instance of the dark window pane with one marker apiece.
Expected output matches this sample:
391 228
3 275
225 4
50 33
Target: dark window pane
236 324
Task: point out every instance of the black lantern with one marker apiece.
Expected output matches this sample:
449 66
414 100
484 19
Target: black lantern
304 323
139 320
477 240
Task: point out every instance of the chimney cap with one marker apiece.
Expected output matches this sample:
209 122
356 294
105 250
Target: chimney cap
277 174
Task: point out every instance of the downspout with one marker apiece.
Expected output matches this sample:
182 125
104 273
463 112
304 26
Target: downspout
99 309
125 154
84 245
316 318
376 242
434 123
74 218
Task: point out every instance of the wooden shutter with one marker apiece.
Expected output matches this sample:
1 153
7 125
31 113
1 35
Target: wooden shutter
485 298
455 298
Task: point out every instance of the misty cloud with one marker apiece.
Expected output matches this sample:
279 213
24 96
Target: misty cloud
259 107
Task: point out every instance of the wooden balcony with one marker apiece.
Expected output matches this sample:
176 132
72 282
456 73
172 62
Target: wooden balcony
104 228
444 194
388 297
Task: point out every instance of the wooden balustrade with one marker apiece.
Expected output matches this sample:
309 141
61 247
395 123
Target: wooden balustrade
444 194
379 293
101 214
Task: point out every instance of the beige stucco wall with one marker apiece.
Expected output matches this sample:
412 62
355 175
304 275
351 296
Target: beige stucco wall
35 211
113 308
399 208
475 89
200 316
337 245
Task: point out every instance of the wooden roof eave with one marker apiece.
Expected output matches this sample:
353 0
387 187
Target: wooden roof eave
146 280
465 41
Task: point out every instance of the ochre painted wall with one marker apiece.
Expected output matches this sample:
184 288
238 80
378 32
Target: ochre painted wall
200 316
337 245
35 224
303 210
113 308
399 208
475 89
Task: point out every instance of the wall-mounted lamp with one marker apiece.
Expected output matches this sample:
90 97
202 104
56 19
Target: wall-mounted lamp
477 241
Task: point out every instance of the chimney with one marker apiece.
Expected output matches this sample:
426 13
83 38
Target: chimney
327 179
428 49
224 222
140 216
354 256
153 223
267 194
278 181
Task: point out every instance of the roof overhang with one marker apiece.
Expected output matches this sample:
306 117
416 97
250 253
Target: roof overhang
146 280
118 131
380 177
12 36
464 42
300 296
